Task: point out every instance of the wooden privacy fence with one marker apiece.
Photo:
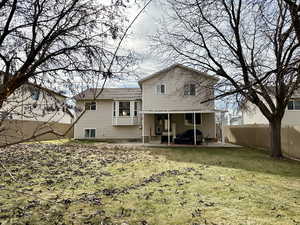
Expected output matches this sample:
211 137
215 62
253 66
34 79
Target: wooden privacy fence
16 130
259 136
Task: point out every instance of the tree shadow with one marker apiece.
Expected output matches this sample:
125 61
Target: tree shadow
249 159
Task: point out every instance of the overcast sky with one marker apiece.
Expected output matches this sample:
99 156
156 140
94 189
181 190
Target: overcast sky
138 40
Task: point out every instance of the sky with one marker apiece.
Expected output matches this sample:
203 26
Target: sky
138 41
146 25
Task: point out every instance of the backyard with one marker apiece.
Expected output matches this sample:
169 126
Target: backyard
106 184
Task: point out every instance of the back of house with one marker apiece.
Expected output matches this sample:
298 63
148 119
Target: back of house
166 103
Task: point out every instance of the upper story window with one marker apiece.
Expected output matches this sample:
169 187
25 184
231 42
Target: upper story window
189 118
190 89
294 105
90 106
35 94
124 108
161 89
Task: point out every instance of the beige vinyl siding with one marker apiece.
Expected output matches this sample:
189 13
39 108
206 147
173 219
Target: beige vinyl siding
207 126
21 100
254 116
101 120
174 98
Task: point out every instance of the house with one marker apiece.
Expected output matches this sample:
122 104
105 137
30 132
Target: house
166 103
32 102
34 113
252 115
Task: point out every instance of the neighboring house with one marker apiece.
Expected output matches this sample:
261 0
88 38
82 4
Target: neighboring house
32 102
236 120
252 115
165 104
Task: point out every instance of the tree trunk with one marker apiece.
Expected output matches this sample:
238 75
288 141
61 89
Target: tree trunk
275 126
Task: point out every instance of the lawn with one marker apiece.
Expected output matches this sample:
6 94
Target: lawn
86 183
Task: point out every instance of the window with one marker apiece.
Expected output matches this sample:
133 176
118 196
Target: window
90 133
114 109
35 94
190 89
189 118
124 108
294 105
161 89
135 108
90 106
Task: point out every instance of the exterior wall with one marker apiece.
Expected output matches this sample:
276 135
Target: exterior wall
253 116
17 130
207 127
174 99
23 107
101 120
259 136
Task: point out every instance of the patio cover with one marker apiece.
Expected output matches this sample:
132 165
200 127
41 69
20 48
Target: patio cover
180 111
168 112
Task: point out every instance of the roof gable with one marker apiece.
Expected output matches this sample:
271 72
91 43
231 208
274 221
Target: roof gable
180 66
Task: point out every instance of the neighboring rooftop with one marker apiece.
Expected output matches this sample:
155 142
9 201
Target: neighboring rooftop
110 93
36 86
296 93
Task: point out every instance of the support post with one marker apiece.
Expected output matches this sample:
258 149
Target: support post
195 136
168 128
143 128
222 126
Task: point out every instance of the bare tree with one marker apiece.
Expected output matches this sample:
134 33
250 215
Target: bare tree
250 45
294 9
54 43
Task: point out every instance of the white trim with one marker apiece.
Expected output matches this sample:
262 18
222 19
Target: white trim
143 128
168 128
195 137
215 125
179 112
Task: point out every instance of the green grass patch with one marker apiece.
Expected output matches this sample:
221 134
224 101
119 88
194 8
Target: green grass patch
80 183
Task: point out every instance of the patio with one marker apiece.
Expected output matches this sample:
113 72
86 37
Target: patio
158 144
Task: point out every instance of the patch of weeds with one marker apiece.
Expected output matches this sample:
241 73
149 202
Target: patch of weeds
98 183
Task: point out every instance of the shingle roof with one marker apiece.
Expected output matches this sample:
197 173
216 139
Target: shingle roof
110 93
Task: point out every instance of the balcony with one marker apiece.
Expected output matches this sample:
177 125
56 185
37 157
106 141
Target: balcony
126 121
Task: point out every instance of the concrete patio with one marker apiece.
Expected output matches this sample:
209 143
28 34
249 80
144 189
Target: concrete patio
157 144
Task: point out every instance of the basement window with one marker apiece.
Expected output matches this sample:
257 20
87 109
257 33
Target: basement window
90 133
